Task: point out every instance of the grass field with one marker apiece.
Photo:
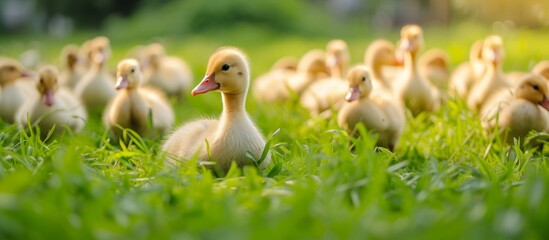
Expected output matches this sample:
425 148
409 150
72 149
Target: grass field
445 180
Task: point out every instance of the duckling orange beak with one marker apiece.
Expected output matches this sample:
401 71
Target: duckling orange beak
406 45
122 82
48 98
353 94
206 85
545 103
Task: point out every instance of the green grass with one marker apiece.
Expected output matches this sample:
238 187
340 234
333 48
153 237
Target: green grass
446 180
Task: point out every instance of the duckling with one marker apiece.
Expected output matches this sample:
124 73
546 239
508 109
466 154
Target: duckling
379 54
337 58
434 66
269 87
519 113
311 67
327 93
56 107
72 71
133 106
170 74
493 80
417 93
234 134
468 73
12 95
377 114
95 88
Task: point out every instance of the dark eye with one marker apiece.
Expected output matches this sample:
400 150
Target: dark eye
10 68
41 80
536 87
133 70
225 67
364 79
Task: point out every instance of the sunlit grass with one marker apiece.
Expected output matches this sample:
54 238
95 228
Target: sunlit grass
446 179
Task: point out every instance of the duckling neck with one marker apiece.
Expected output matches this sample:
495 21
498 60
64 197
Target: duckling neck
409 62
233 104
377 74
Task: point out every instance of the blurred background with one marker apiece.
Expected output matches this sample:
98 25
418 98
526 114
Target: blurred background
147 18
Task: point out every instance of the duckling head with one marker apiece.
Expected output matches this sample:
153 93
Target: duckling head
154 54
492 49
475 53
381 52
360 84
47 84
337 54
313 62
534 89
227 72
70 56
411 38
100 50
128 74
11 70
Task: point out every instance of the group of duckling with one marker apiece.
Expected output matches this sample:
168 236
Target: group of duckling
135 97
379 93
395 80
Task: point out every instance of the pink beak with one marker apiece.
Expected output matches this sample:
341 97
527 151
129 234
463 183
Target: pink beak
545 104
332 61
406 45
353 94
48 98
122 82
26 74
206 85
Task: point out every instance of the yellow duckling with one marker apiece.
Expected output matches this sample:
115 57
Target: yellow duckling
144 110
312 66
56 107
417 93
234 134
493 80
468 73
269 87
95 88
542 69
170 74
72 70
12 95
434 65
519 113
327 93
376 113
380 54
337 58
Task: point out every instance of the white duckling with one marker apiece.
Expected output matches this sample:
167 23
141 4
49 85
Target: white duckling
170 74
493 80
468 73
269 87
416 92
72 70
142 109
55 107
328 93
519 113
234 134
12 95
376 113
95 88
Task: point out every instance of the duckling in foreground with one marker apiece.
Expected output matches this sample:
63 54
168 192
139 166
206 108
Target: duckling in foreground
379 115
55 107
144 110
234 134
519 113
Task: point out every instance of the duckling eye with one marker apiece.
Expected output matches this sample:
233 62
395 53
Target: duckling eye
225 67
133 70
535 87
41 80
